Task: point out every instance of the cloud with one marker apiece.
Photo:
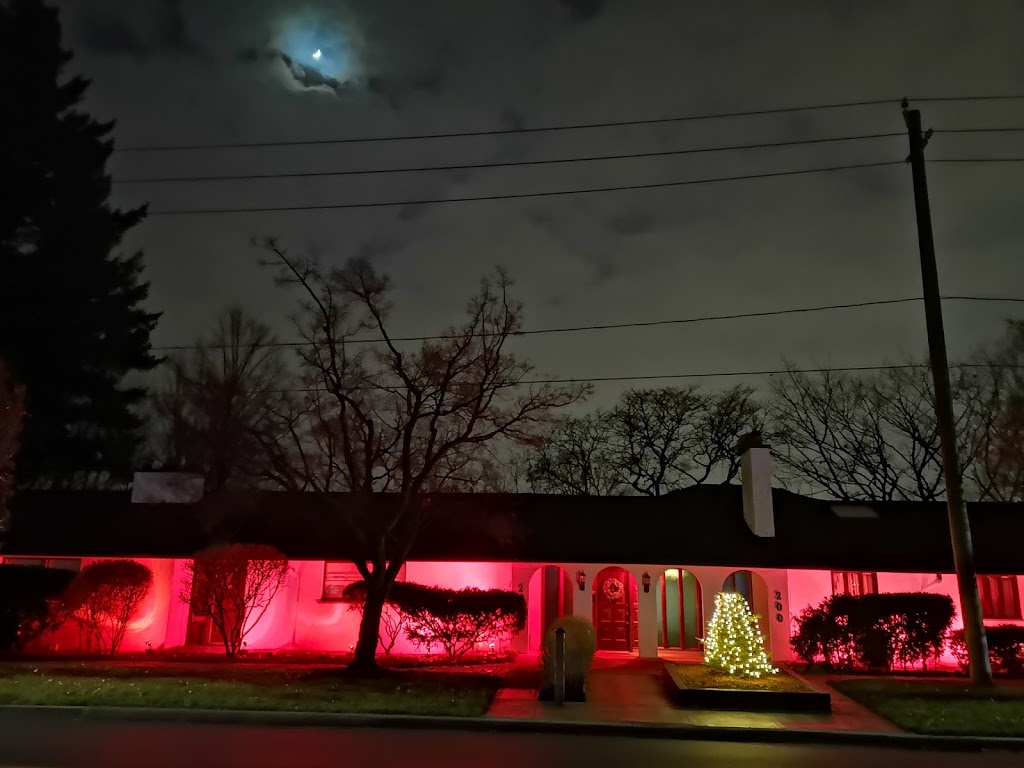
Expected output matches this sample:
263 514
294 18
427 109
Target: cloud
583 10
704 249
132 27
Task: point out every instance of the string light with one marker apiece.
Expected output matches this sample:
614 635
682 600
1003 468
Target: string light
734 643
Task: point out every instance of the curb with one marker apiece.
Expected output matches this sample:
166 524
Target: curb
907 741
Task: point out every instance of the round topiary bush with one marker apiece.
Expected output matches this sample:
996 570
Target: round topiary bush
580 647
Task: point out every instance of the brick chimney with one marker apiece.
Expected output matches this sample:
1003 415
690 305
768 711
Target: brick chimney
756 474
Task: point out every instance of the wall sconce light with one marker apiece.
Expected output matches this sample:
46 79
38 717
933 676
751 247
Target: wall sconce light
646 581
581 579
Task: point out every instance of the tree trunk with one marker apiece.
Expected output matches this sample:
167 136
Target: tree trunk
365 662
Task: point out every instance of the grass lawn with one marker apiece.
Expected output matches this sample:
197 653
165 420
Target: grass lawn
700 676
942 707
269 687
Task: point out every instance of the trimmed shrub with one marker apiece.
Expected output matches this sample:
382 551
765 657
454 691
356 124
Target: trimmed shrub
820 638
234 585
1005 649
29 595
104 597
454 619
580 647
883 631
458 619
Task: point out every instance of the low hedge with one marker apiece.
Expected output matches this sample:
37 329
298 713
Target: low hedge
454 619
1005 648
882 631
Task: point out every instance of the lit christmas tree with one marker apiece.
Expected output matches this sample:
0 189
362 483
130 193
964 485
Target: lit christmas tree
734 643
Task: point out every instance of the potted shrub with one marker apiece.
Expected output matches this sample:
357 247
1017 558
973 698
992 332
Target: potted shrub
580 646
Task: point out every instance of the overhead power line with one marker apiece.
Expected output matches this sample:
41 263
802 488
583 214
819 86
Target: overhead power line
520 195
716 374
555 128
509 164
1003 129
648 377
573 329
976 160
612 326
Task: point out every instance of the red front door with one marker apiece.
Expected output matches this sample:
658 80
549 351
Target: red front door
613 610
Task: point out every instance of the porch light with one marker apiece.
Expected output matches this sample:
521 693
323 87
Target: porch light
581 579
646 581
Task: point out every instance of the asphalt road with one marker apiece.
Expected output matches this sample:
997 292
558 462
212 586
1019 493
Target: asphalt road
29 741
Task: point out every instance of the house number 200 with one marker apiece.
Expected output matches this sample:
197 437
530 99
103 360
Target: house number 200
778 607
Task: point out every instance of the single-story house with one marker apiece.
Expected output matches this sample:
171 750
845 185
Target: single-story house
645 570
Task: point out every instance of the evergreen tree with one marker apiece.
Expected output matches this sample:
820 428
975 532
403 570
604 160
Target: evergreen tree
734 644
72 327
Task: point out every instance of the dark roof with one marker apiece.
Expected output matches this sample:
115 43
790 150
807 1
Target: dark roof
702 525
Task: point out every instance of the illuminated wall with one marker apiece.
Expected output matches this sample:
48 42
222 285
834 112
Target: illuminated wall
147 629
319 625
300 619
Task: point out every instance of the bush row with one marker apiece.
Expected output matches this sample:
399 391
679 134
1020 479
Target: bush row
1005 648
896 631
456 620
882 631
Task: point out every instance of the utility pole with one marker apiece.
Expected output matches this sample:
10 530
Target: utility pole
959 524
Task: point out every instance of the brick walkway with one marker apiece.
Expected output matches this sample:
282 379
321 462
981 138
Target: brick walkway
628 689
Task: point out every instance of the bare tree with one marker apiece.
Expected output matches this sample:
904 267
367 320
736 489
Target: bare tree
234 585
573 459
669 438
999 468
730 414
652 442
387 420
226 402
12 414
653 437
1001 462
874 436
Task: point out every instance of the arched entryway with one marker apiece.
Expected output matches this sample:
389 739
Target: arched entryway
615 610
550 598
755 590
680 610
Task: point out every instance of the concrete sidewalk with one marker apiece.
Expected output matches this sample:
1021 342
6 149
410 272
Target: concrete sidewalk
627 689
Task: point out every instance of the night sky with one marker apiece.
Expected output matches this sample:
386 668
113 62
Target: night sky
210 71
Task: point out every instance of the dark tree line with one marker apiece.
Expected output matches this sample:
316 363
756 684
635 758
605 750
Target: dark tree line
651 442
863 436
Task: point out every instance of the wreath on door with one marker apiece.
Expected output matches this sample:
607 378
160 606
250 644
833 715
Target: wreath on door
613 590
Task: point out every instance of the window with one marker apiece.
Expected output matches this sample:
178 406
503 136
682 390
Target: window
63 563
339 574
854 583
1000 598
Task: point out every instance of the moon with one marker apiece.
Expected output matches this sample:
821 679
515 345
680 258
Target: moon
320 51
